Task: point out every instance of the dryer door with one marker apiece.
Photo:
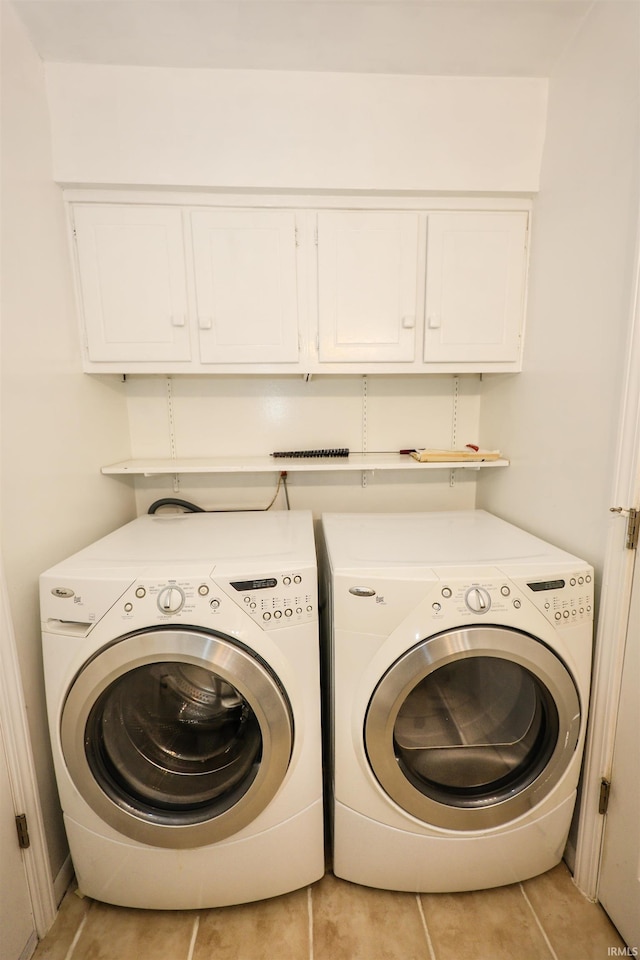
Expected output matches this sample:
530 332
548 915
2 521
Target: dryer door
177 737
473 727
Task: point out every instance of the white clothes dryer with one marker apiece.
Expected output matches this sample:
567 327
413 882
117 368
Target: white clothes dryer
459 652
181 660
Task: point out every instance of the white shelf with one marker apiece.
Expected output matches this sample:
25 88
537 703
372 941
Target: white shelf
355 461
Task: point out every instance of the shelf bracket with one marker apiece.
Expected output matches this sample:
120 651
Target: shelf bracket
365 388
454 425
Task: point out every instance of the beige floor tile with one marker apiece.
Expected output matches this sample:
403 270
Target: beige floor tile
57 942
485 925
349 923
118 933
276 929
359 923
575 926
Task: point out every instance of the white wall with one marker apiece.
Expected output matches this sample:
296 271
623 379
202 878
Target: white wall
58 426
255 416
272 130
558 420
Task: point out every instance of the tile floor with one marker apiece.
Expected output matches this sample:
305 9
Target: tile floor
546 918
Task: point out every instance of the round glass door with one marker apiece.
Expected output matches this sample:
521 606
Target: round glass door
473 727
177 737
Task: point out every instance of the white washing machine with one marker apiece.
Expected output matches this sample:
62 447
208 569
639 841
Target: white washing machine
181 660
459 652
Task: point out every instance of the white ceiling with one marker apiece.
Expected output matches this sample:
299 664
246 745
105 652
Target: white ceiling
511 38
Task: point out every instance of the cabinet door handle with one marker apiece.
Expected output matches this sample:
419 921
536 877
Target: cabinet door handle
408 323
433 322
205 323
177 320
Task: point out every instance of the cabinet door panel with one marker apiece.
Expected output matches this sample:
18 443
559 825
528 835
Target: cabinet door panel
132 282
246 285
367 285
475 286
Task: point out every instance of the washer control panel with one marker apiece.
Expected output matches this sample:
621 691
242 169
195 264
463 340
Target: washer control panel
279 601
272 602
161 600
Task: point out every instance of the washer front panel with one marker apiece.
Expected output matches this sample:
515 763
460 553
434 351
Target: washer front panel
473 727
177 737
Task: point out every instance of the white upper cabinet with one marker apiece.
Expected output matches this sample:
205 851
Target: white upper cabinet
245 285
475 287
214 285
368 300
132 282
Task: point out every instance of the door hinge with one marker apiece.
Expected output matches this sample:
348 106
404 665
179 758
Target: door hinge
632 529
605 790
23 831
633 525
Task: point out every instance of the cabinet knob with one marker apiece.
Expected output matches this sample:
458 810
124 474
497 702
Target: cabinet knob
433 321
408 323
205 323
177 320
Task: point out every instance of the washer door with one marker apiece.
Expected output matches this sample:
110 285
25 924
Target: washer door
177 738
472 728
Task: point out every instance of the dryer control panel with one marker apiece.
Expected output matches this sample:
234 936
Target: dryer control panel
563 599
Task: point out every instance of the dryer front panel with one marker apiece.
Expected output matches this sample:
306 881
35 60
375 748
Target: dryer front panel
177 737
473 727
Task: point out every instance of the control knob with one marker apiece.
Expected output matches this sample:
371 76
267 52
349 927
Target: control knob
170 600
478 600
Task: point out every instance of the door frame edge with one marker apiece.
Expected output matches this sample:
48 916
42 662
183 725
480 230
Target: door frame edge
611 631
22 773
